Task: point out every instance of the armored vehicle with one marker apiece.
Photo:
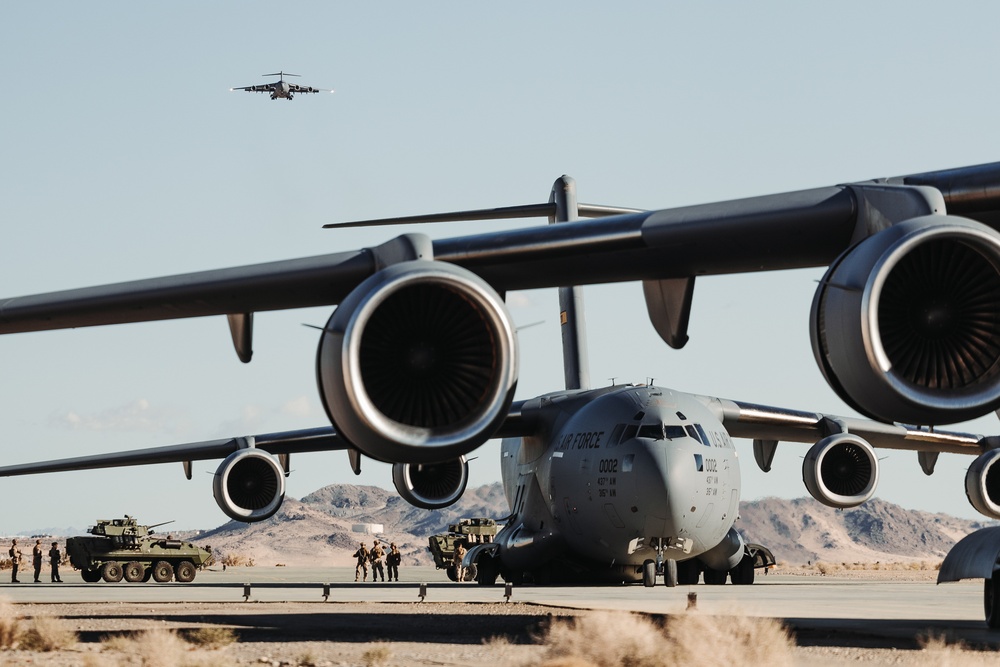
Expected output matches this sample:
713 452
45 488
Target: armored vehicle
122 549
468 532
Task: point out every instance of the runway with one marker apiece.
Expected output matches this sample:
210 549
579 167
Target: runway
822 609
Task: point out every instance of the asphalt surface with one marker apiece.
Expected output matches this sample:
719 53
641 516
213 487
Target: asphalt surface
834 611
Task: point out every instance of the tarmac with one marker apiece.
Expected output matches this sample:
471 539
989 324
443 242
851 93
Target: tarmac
830 610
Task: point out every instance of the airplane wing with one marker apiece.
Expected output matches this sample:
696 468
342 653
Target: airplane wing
264 88
283 443
766 423
784 231
841 468
295 88
904 323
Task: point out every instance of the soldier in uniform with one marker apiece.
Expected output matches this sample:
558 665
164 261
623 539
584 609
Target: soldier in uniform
392 561
376 554
15 560
362 555
459 555
55 556
36 559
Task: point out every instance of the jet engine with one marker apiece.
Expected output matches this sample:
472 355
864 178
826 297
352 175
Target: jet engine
982 484
905 325
249 485
841 470
431 486
419 363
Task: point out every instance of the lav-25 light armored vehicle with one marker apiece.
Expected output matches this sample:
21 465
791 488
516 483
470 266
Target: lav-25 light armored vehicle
122 549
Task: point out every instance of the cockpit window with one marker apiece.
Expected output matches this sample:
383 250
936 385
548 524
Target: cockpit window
629 432
693 433
652 431
616 435
674 431
704 436
661 431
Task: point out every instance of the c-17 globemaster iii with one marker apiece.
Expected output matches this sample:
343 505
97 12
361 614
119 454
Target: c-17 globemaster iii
417 367
281 88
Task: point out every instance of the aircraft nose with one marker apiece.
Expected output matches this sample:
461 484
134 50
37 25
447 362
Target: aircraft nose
662 490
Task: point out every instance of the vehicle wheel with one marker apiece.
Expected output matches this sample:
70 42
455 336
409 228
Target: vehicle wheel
134 571
488 571
162 571
184 571
715 577
471 572
649 573
91 576
452 573
147 575
688 572
669 573
742 574
991 601
111 572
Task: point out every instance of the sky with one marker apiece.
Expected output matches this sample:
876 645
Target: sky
125 156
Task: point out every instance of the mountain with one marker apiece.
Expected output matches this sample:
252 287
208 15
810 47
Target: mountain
803 530
318 529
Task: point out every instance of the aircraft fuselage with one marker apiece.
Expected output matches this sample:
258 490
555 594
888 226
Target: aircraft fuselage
624 471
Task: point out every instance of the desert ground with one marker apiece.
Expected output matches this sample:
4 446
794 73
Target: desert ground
895 618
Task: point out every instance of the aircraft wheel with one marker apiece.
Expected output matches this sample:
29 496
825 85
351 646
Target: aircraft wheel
111 572
669 573
471 572
134 572
688 572
649 573
184 571
488 571
162 571
991 601
715 577
91 576
742 574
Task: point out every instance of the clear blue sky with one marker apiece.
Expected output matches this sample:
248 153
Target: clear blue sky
124 156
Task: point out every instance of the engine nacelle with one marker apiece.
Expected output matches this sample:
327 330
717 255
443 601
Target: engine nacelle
905 326
419 363
841 470
431 485
249 485
982 484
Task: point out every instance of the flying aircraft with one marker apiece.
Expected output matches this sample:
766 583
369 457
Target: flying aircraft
417 366
282 88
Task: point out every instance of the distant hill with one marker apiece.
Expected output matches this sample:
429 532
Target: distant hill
803 530
317 530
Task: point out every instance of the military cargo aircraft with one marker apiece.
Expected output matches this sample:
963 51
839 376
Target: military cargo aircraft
282 88
417 366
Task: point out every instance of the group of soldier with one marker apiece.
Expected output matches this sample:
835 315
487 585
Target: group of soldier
37 558
374 556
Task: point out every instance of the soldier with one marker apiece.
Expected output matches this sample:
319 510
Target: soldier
459 555
36 559
392 561
55 556
376 557
15 560
362 555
